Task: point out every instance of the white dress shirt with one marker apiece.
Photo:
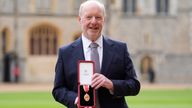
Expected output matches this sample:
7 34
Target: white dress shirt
87 49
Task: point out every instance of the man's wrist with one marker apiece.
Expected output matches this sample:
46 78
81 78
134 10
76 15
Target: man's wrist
110 87
109 84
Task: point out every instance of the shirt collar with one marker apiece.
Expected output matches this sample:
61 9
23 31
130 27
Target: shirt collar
87 42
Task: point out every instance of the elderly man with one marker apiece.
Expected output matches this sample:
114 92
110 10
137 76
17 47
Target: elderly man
115 76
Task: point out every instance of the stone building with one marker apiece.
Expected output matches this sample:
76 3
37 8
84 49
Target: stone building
157 32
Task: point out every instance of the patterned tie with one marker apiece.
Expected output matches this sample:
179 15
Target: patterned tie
95 58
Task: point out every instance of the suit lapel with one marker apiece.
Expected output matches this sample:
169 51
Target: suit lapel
77 50
107 56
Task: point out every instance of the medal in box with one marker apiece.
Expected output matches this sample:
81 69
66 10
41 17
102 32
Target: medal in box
86 94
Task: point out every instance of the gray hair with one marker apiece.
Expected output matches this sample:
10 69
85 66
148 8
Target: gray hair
98 2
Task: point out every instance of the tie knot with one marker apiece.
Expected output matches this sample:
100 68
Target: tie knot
93 45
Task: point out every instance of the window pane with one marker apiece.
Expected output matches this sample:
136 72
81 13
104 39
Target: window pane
124 6
77 4
158 6
134 5
166 6
7 6
43 40
4 40
129 6
32 44
162 6
43 6
55 44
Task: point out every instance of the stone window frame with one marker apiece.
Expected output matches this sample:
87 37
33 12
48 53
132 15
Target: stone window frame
129 6
43 40
43 6
162 6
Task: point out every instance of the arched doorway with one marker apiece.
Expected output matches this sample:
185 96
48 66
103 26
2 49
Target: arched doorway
147 70
6 56
4 41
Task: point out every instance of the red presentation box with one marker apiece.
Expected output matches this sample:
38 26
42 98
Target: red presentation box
86 94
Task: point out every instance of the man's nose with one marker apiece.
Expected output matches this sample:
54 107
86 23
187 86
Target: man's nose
93 20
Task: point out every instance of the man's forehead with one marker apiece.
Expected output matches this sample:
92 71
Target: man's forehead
92 7
89 2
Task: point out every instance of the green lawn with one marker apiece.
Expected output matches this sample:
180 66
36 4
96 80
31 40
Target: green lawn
146 99
162 99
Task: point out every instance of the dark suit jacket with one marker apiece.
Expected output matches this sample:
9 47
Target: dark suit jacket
117 66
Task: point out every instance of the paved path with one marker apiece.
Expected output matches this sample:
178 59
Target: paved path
9 87
166 86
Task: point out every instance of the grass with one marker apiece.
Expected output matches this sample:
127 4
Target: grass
162 99
146 99
27 100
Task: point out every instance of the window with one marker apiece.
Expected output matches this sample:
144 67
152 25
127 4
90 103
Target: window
4 41
43 40
6 6
43 6
162 6
77 4
129 6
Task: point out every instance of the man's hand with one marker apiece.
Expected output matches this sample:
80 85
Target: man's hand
100 80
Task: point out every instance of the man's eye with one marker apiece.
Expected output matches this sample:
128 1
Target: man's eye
88 17
98 18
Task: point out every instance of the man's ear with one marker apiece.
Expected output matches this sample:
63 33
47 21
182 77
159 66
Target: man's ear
79 19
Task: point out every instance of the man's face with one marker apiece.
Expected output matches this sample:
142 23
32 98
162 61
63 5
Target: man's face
92 21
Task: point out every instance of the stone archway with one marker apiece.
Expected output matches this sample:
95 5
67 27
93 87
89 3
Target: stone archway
4 36
7 59
147 70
